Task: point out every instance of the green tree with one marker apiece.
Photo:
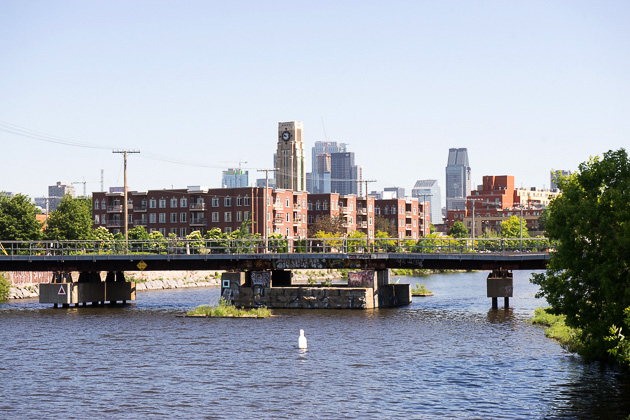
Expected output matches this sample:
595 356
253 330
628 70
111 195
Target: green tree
72 220
588 277
138 233
18 221
458 230
511 228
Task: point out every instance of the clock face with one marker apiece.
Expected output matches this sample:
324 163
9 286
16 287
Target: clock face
286 136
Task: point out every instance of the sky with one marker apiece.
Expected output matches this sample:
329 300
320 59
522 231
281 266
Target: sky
199 86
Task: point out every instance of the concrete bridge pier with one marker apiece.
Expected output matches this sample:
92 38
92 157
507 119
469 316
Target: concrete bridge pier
500 283
89 288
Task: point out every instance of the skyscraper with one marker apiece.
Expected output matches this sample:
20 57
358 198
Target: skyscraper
291 173
457 179
234 178
345 175
319 179
429 190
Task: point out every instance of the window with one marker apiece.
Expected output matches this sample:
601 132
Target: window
239 201
227 216
228 230
173 202
173 231
370 221
386 210
215 201
96 205
152 218
370 208
246 201
393 209
163 231
173 217
182 217
182 232
97 219
287 203
351 205
215 216
227 202
143 204
310 205
288 217
162 203
287 232
103 204
162 218
246 215
377 211
317 205
239 216
152 203
325 205
183 202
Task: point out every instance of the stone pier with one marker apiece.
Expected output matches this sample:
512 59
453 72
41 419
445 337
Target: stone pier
275 289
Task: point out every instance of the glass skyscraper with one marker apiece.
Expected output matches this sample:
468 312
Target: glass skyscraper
457 179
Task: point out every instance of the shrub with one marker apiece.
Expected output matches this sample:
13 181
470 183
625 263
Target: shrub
5 286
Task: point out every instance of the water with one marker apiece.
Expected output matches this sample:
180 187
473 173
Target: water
447 356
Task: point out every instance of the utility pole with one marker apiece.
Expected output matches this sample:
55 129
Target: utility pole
266 171
367 241
125 210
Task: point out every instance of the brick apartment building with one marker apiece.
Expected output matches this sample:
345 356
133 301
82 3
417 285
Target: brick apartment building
496 201
182 211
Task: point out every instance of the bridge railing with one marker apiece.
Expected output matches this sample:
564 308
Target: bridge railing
257 246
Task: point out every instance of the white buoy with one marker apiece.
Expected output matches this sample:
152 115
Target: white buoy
302 340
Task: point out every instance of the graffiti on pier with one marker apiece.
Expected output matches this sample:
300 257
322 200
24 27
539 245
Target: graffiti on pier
300 263
361 278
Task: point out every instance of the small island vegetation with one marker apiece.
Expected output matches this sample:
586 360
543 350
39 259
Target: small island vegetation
225 310
5 286
420 290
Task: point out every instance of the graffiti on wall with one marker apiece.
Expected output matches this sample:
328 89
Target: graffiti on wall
28 277
361 278
261 279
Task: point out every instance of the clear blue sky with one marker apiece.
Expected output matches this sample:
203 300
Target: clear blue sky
525 86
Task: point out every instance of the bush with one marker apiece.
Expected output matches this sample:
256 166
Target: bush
557 329
5 286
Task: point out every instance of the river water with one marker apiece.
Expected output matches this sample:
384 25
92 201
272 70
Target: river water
446 356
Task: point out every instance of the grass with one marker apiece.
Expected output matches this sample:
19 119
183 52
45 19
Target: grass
556 329
223 310
420 289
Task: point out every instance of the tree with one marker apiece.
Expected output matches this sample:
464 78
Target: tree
71 221
139 233
327 224
511 228
458 230
588 277
382 224
18 221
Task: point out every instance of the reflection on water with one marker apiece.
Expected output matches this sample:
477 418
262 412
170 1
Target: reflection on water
446 356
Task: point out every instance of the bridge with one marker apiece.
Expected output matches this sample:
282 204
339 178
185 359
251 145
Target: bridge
90 258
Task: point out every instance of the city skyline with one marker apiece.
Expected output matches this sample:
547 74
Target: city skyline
524 87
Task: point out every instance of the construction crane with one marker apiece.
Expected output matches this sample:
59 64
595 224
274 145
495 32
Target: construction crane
84 188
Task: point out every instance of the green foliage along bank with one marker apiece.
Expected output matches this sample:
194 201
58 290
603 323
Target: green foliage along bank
588 276
5 287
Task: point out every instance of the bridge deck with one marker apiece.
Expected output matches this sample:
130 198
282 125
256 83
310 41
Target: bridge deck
261 261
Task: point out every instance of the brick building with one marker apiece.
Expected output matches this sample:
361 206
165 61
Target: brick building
496 201
406 215
182 211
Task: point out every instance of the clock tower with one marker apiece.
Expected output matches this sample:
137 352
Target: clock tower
291 174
